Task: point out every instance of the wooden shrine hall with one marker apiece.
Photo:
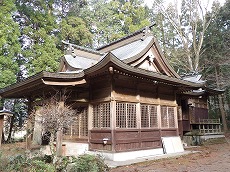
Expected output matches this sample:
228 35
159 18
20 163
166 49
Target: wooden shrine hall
126 95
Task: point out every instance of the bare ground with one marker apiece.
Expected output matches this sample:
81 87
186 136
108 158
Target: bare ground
213 156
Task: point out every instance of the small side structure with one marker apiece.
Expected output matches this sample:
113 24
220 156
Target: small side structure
194 122
126 97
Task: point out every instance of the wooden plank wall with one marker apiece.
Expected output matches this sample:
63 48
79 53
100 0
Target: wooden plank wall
124 89
129 139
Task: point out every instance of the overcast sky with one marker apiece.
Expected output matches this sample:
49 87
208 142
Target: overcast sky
150 2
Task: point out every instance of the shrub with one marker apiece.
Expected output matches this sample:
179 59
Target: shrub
3 162
89 163
40 166
22 163
61 163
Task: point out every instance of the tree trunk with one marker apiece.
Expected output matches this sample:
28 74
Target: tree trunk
1 128
59 143
51 144
11 129
220 99
222 111
29 129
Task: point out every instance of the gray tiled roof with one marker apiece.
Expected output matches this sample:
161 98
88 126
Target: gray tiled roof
79 62
194 78
132 49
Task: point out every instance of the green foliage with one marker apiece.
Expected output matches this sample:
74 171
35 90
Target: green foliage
110 20
40 42
23 163
89 163
43 56
74 30
40 166
38 163
4 161
216 62
43 25
61 163
9 44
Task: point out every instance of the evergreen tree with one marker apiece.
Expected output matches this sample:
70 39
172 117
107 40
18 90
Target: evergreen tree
216 62
44 24
11 63
110 20
9 44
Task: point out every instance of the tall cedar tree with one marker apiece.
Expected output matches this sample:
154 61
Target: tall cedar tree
216 62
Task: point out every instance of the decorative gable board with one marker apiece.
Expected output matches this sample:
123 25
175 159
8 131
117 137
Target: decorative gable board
153 61
147 64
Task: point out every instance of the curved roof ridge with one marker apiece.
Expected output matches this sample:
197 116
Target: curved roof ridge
165 60
83 48
142 30
110 57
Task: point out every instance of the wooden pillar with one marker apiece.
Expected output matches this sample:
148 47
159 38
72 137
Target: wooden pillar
176 114
176 120
1 127
159 116
158 107
90 120
138 114
112 110
138 109
113 123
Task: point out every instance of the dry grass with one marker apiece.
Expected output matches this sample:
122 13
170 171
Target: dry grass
13 149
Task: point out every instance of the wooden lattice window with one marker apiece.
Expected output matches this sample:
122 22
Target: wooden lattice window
171 117
101 115
167 117
164 117
126 115
79 126
149 116
83 123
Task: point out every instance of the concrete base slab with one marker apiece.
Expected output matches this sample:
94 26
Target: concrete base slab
213 136
114 164
124 156
194 140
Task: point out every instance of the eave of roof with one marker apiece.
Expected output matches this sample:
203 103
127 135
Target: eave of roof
212 91
203 91
111 60
35 80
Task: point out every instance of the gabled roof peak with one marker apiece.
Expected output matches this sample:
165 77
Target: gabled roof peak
138 35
